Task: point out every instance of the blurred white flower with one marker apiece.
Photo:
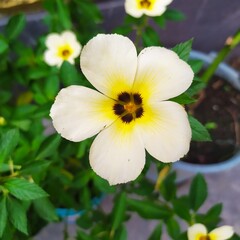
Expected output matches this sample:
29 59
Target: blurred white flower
129 110
199 232
152 8
61 47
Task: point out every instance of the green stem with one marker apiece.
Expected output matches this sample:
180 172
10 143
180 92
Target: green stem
139 30
231 43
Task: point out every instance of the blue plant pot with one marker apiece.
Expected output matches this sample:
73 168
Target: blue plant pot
70 215
185 169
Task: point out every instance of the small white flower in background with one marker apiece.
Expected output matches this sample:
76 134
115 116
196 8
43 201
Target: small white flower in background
129 110
199 232
152 8
61 47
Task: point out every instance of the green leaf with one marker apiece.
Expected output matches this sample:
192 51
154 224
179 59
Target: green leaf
85 220
121 234
24 190
90 10
7 167
64 15
45 209
83 236
15 26
173 228
82 178
157 233
38 73
8 142
181 208
199 132
196 65
3 45
103 185
212 217
17 215
149 209
168 187
183 49
35 166
3 215
160 21
174 15
123 30
119 211
49 146
69 74
198 192
196 87
150 37
22 124
5 96
51 87
183 99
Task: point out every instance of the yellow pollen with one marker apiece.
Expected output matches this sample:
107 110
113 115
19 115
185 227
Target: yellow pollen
130 107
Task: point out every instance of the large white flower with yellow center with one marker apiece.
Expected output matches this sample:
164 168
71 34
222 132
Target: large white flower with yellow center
199 232
61 47
129 110
153 8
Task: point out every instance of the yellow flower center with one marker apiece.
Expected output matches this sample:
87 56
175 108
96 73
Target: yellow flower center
145 4
65 52
205 237
128 106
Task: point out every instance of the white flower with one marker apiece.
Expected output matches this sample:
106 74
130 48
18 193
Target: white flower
61 47
129 110
199 232
153 8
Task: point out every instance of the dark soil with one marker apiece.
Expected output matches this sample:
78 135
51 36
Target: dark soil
220 110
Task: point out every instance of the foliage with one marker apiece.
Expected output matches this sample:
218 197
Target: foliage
40 171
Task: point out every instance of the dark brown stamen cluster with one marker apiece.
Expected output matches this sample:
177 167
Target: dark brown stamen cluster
145 4
128 106
65 52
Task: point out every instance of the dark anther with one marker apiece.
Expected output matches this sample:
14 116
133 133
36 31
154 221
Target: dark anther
139 112
145 3
65 53
124 97
127 118
137 99
118 109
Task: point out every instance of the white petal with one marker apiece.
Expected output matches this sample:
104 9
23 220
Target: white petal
117 154
51 58
196 230
53 40
222 233
68 36
79 113
156 11
109 62
166 131
161 74
132 9
76 49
